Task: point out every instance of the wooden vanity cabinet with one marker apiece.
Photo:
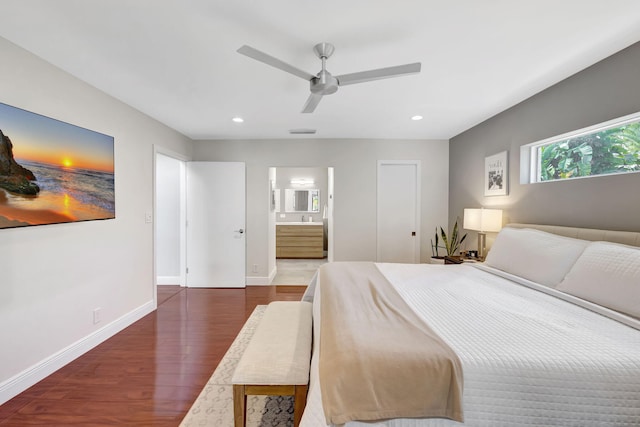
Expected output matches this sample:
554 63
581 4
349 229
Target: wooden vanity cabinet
299 241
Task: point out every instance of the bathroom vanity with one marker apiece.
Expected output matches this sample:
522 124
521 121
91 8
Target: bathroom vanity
299 240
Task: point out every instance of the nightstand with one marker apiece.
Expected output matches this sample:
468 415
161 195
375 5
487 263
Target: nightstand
451 260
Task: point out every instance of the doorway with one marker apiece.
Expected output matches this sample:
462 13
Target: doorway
170 216
172 200
301 222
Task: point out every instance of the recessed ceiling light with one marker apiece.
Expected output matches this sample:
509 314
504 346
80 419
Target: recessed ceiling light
238 119
416 118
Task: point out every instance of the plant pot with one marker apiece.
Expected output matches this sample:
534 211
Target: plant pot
437 260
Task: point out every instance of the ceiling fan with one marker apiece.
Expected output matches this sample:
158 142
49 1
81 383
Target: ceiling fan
324 83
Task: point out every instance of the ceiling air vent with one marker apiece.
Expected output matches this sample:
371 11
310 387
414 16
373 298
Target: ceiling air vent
302 131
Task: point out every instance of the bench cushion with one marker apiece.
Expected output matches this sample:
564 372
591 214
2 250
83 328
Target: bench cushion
279 352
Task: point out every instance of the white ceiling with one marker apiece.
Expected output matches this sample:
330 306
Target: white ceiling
176 60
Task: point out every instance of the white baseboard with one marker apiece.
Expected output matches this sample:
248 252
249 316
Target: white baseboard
169 280
256 281
25 379
261 280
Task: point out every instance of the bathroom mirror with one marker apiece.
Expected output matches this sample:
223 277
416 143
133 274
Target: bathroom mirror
301 200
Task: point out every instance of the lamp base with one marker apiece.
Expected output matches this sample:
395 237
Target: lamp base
482 245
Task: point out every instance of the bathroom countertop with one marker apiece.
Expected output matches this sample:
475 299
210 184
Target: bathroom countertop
299 223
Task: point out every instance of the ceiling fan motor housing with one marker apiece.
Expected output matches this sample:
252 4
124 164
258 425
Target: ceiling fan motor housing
324 84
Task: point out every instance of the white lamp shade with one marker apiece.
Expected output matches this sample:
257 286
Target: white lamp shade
483 220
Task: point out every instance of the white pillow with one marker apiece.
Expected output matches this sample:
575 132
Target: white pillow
607 274
535 255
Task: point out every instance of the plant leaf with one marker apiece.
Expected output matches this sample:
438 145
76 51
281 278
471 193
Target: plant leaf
444 239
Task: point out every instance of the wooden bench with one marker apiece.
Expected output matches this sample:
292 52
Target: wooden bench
276 361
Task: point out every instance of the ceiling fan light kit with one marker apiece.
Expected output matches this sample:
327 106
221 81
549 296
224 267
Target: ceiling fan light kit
324 83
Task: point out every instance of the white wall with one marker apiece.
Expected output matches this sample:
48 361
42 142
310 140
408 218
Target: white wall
52 277
355 163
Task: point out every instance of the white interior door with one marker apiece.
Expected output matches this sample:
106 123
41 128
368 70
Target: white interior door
216 243
398 211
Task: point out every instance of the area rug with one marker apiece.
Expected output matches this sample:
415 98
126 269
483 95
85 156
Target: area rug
214 405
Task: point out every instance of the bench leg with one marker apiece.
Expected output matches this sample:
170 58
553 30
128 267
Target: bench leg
299 403
239 406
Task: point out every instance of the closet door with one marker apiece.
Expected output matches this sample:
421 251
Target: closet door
398 211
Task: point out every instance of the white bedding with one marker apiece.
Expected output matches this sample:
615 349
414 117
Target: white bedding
528 358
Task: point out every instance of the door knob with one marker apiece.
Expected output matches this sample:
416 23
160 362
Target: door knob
241 231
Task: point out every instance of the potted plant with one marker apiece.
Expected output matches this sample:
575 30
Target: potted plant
451 243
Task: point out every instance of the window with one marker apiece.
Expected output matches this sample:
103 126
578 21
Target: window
604 149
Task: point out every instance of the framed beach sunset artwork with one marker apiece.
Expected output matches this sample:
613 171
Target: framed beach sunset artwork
52 172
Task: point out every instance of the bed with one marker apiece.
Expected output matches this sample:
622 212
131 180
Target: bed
545 332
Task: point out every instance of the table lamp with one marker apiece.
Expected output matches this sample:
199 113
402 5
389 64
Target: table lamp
482 220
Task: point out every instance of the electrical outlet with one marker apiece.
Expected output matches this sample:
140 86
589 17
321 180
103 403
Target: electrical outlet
96 315
255 268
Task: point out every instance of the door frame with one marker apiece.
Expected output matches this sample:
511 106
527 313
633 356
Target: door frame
329 201
416 163
330 206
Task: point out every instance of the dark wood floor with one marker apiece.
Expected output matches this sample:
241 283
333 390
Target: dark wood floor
150 373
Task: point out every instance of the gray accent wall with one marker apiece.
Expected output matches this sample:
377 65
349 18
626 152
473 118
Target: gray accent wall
604 91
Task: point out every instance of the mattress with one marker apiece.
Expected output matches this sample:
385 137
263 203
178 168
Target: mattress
529 358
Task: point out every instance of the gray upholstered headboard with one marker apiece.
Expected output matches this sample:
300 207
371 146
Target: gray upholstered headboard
631 238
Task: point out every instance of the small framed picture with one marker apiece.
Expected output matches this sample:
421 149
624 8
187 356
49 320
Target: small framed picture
496 174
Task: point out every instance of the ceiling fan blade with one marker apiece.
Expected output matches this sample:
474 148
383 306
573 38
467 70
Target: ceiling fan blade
274 62
380 73
312 103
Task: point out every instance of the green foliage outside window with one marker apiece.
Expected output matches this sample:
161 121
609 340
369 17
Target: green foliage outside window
609 151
